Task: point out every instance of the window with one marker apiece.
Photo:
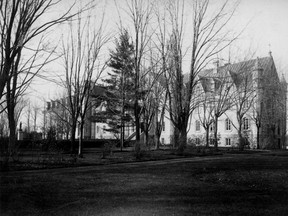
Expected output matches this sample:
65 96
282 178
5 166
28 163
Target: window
53 104
212 127
228 124
228 142
197 141
104 128
197 125
162 141
245 123
97 129
211 141
48 105
163 126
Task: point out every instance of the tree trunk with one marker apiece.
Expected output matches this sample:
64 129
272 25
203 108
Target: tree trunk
11 118
176 136
137 120
80 147
73 134
146 135
207 136
157 135
182 139
157 141
12 136
258 138
122 135
216 133
240 140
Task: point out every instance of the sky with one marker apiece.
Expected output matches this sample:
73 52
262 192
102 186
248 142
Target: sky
267 30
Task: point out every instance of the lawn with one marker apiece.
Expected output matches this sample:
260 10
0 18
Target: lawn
229 184
36 159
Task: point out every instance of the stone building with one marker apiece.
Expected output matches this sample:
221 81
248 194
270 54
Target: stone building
263 111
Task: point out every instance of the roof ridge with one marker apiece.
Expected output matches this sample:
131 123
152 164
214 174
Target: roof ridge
254 59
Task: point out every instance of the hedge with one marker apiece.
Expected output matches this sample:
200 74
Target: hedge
59 145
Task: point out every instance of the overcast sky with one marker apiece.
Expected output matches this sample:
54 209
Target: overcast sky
268 26
267 31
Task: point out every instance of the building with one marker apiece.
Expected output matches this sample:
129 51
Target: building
255 90
57 115
254 106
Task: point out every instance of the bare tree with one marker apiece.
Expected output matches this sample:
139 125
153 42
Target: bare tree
149 107
209 37
14 112
154 102
81 55
222 91
21 23
258 117
244 97
205 112
140 15
161 44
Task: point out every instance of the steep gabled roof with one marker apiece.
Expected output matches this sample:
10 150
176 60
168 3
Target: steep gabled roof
264 63
237 70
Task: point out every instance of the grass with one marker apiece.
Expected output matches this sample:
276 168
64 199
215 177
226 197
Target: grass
30 160
251 184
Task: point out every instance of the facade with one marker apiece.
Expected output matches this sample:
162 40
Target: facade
255 107
97 126
253 90
56 115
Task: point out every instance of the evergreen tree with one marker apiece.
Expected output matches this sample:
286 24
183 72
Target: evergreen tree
120 85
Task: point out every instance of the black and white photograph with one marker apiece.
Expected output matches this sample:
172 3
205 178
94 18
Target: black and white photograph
143 107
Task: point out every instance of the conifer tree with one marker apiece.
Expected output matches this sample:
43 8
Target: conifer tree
120 85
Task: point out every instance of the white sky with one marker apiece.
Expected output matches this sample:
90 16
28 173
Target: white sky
267 25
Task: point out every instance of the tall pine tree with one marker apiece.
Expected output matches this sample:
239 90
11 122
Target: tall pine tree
120 85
